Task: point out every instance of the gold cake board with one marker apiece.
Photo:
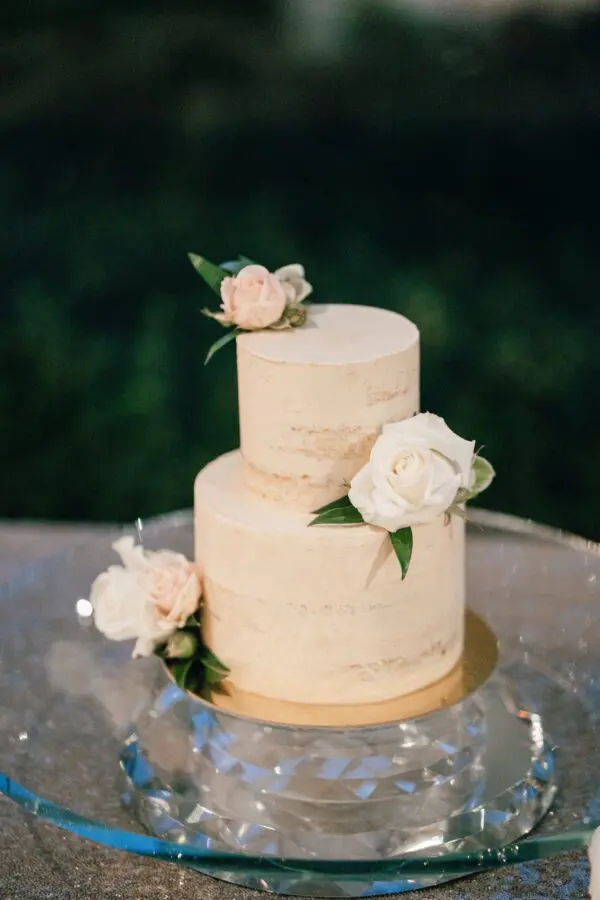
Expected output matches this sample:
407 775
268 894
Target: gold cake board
477 664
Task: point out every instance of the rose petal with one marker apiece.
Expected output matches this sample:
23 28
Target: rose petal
290 272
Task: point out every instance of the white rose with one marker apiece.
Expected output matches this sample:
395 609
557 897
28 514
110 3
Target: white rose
414 473
294 283
147 598
253 299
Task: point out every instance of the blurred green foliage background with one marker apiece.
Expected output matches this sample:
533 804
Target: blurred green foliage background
444 167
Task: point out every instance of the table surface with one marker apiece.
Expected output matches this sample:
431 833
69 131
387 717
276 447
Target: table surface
40 862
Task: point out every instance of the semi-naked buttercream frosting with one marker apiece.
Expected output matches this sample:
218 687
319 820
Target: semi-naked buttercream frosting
312 401
321 615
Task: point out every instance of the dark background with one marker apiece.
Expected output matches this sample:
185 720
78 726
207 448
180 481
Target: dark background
445 166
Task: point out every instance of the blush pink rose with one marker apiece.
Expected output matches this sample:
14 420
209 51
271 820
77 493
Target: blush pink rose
147 598
173 587
254 298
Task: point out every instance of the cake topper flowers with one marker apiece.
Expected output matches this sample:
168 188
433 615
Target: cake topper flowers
154 598
252 297
418 470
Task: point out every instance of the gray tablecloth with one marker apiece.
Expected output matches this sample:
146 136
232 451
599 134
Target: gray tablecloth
40 862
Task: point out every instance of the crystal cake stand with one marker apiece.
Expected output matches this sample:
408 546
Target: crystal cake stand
315 811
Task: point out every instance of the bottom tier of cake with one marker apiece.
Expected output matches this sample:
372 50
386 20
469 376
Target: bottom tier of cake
321 615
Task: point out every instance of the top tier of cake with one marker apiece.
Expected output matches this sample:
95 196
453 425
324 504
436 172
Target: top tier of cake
313 400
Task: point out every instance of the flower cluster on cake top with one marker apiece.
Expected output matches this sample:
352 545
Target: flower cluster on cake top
252 297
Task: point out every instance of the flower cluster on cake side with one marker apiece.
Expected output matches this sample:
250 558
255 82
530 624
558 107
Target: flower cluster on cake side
154 598
418 470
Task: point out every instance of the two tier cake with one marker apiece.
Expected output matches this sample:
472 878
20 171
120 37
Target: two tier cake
328 583
322 615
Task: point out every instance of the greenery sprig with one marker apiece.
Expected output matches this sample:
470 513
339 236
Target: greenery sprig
342 512
213 275
193 666
483 475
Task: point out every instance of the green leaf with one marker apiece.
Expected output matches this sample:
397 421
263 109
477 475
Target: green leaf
222 342
402 542
212 275
213 672
180 671
343 515
232 267
210 661
211 677
219 688
483 475
343 502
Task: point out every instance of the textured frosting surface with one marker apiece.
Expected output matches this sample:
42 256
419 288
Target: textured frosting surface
320 615
313 400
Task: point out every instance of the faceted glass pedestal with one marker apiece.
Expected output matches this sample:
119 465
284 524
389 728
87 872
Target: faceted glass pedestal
476 775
